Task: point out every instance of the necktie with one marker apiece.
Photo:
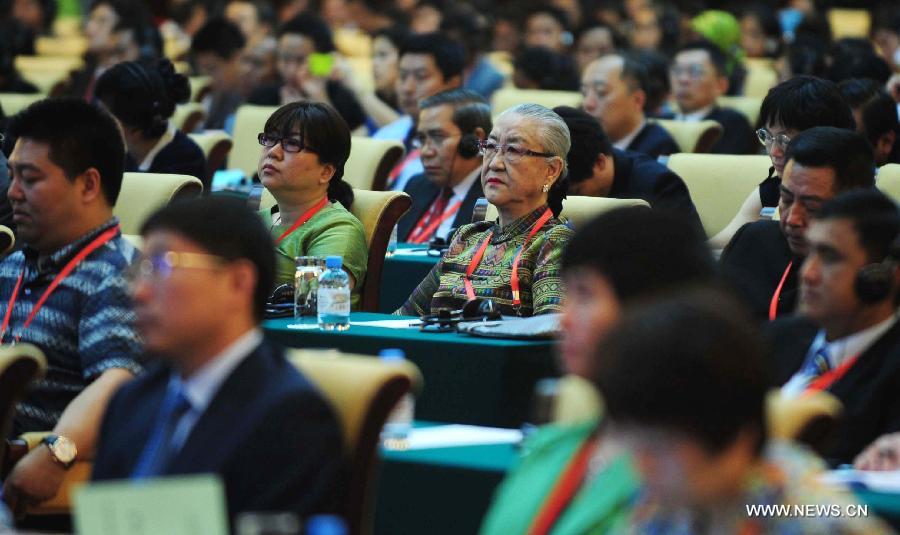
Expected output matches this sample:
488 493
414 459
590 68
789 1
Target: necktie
158 449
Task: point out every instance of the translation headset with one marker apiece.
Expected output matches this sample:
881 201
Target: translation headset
874 281
448 320
468 146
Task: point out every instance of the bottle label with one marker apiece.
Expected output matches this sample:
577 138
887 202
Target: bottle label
334 301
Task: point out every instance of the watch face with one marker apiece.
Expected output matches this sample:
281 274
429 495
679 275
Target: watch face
64 449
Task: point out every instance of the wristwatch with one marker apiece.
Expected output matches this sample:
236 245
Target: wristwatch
62 449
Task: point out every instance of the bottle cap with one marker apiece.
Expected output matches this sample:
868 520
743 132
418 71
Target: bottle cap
326 525
333 262
392 353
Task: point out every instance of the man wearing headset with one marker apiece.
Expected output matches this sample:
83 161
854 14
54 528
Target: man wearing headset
846 337
450 125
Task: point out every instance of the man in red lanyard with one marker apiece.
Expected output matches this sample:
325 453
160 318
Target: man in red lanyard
763 259
429 63
845 338
451 124
65 291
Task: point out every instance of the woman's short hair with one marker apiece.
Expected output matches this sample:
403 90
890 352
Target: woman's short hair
325 132
553 135
143 96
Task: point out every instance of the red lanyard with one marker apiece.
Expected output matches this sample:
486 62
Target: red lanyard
824 381
95 244
565 489
773 305
303 219
514 279
421 235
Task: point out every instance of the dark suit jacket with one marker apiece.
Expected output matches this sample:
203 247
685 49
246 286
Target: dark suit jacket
638 176
654 141
753 263
869 390
738 136
423 193
181 156
267 433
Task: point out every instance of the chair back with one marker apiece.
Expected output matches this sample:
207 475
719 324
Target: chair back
371 161
215 145
13 103
144 193
506 98
692 136
248 122
809 419
188 117
71 45
362 390
888 180
849 22
199 87
378 211
579 210
719 183
746 106
760 78
19 365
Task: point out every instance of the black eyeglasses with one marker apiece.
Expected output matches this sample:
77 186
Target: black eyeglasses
289 144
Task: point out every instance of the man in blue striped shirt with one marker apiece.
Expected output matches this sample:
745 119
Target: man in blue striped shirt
66 290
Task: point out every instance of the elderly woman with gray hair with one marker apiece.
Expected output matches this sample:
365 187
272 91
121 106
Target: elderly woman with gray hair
515 260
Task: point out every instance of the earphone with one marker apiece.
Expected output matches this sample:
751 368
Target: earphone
468 146
874 281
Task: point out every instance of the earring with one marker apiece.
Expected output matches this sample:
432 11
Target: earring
546 188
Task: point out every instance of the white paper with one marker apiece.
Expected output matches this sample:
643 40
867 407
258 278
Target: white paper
411 252
881 481
390 324
447 436
303 326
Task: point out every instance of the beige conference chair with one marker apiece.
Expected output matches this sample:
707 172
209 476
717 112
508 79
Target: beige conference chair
188 117
144 193
579 210
215 144
719 183
692 136
371 161
248 123
888 180
506 98
13 103
362 390
746 106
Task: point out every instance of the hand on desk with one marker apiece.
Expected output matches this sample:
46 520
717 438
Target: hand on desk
883 454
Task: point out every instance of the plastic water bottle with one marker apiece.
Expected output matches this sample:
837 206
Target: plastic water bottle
392 242
399 422
326 525
333 297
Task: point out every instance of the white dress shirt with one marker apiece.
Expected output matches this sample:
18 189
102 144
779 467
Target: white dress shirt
623 143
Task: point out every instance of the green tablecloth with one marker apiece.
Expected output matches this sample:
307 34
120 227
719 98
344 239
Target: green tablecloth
448 490
470 380
438 491
402 273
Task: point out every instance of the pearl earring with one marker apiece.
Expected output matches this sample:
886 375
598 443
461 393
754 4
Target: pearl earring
546 188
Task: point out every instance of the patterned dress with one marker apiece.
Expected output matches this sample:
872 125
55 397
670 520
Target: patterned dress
539 269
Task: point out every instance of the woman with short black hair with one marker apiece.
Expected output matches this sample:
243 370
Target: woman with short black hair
305 146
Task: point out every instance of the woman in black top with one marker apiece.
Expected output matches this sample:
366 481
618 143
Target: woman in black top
143 99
